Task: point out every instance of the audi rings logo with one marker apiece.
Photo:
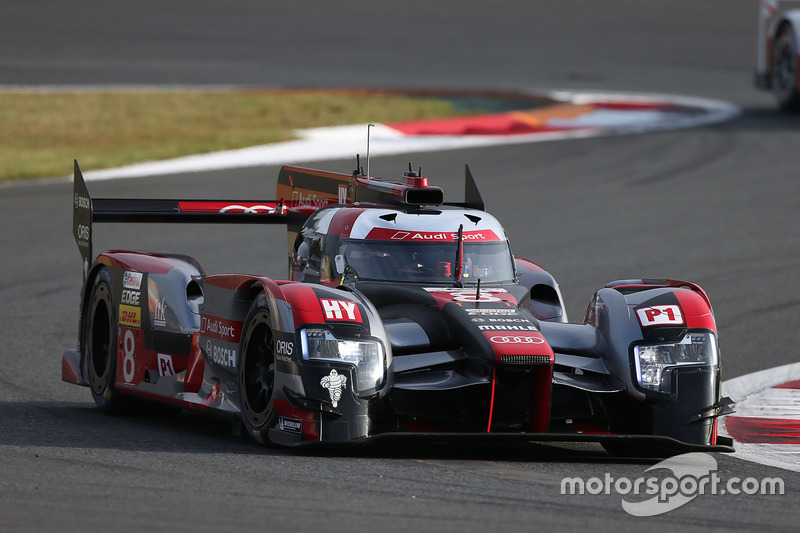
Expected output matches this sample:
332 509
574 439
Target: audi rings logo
500 339
253 209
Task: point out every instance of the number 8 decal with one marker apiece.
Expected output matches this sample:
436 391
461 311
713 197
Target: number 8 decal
129 346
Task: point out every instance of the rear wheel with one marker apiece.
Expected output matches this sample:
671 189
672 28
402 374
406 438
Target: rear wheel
785 70
100 342
257 371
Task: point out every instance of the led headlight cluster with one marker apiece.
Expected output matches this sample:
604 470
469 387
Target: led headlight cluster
366 354
656 362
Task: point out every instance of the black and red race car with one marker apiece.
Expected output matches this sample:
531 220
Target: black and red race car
403 316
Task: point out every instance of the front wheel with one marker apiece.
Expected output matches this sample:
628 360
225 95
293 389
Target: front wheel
257 371
785 71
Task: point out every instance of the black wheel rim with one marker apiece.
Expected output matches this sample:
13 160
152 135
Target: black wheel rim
258 371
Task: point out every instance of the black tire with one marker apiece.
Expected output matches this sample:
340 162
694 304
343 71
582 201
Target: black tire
784 73
257 371
100 344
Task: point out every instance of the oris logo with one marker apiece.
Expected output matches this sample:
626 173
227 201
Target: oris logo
284 347
500 339
83 232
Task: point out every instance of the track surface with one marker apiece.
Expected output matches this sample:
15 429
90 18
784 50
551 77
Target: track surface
715 205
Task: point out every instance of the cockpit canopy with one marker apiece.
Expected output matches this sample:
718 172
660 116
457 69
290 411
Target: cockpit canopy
418 246
426 263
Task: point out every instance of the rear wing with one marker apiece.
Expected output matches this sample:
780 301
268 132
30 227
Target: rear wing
300 192
87 210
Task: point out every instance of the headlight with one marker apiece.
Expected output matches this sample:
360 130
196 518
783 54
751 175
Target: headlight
366 354
655 362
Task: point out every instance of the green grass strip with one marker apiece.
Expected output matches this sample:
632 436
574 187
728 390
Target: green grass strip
41 133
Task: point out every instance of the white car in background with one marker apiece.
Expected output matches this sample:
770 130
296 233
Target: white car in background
778 62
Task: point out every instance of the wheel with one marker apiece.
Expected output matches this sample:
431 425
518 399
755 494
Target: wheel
785 70
257 371
100 343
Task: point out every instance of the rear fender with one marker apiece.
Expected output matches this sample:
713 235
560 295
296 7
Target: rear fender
166 289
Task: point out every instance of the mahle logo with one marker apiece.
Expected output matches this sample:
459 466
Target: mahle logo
691 475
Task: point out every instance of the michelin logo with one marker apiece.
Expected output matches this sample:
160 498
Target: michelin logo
292 425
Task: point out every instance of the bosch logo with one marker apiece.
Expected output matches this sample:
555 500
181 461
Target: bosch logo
82 202
499 339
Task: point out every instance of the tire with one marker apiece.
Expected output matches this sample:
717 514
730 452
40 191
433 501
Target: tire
784 72
100 343
256 371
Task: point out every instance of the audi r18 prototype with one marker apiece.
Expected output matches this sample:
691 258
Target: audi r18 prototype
403 316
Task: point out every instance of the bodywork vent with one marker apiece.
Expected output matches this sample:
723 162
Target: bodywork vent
525 360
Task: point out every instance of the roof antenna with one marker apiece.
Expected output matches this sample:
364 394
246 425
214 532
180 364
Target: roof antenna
368 127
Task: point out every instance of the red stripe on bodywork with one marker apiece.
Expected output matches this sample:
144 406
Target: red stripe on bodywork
763 430
238 282
305 305
527 265
139 261
491 402
343 220
696 311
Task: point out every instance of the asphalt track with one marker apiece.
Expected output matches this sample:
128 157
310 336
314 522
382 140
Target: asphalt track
715 205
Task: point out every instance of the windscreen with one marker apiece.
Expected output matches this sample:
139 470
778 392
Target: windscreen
427 263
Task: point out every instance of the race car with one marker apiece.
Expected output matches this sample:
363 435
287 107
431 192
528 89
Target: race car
403 316
778 53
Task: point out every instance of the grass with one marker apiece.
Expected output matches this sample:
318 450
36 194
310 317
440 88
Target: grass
41 133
